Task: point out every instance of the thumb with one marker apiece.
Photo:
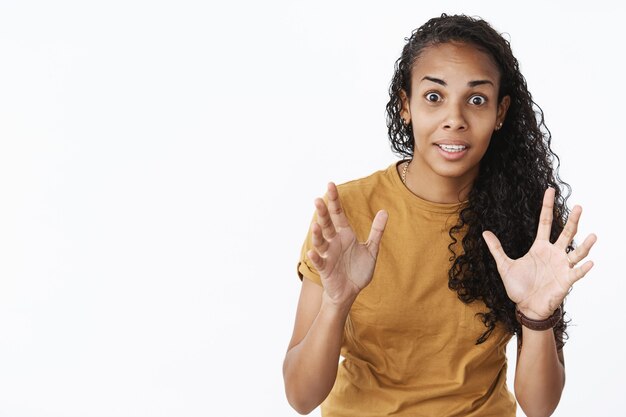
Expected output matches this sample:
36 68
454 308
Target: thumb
376 232
495 247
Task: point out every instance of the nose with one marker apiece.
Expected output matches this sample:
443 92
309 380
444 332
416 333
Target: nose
454 118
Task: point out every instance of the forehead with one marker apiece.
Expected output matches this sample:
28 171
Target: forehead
452 61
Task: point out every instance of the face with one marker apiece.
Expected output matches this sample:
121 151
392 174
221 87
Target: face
454 110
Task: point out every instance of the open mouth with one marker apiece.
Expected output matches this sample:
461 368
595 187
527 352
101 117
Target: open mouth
452 148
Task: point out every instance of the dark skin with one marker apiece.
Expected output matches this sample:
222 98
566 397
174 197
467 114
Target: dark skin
455 117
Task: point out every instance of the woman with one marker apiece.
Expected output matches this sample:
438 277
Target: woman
466 242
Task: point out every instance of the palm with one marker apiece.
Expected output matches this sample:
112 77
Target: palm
345 265
539 281
348 262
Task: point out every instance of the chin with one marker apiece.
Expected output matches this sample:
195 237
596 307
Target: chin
457 172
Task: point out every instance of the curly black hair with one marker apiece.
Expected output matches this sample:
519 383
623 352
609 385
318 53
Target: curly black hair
506 197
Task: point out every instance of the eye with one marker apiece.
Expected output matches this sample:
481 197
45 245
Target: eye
433 97
477 100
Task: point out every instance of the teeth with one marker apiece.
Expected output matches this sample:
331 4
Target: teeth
452 148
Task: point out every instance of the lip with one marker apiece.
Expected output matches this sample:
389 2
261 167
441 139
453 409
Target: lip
452 142
452 156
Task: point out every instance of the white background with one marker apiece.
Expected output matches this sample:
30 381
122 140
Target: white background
158 164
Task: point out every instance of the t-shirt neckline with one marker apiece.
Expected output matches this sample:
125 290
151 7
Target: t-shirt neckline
413 199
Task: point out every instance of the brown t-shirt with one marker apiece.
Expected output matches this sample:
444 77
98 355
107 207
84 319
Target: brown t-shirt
409 343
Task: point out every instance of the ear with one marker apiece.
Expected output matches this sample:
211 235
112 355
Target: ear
405 112
503 107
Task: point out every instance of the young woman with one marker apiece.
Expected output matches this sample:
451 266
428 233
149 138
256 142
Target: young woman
419 274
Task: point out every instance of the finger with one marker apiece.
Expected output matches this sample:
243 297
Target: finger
496 249
318 262
324 220
317 239
582 251
545 218
570 229
334 207
376 232
579 272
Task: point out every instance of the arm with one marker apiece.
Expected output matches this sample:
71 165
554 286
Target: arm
538 283
345 267
539 373
311 362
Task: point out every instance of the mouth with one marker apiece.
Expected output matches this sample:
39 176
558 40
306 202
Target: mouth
452 148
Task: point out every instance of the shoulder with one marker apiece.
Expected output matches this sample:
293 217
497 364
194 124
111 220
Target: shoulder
362 198
381 181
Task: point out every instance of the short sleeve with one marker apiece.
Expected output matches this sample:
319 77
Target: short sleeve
305 267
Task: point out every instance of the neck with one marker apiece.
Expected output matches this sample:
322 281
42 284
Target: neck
436 188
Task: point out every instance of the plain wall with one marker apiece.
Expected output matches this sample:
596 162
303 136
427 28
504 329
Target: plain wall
158 166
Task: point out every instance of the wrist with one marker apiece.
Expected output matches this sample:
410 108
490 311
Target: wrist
337 306
530 313
535 322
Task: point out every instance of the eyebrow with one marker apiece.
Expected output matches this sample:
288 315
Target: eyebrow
470 84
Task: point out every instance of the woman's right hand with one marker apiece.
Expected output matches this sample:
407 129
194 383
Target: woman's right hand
345 265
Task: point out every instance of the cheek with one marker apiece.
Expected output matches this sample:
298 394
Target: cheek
483 124
424 121
422 132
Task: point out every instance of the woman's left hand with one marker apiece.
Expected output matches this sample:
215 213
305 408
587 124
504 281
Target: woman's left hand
539 281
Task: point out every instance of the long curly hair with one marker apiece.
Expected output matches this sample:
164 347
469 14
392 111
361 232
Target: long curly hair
506 197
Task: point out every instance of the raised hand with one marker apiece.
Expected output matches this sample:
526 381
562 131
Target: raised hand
345 265
539 281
